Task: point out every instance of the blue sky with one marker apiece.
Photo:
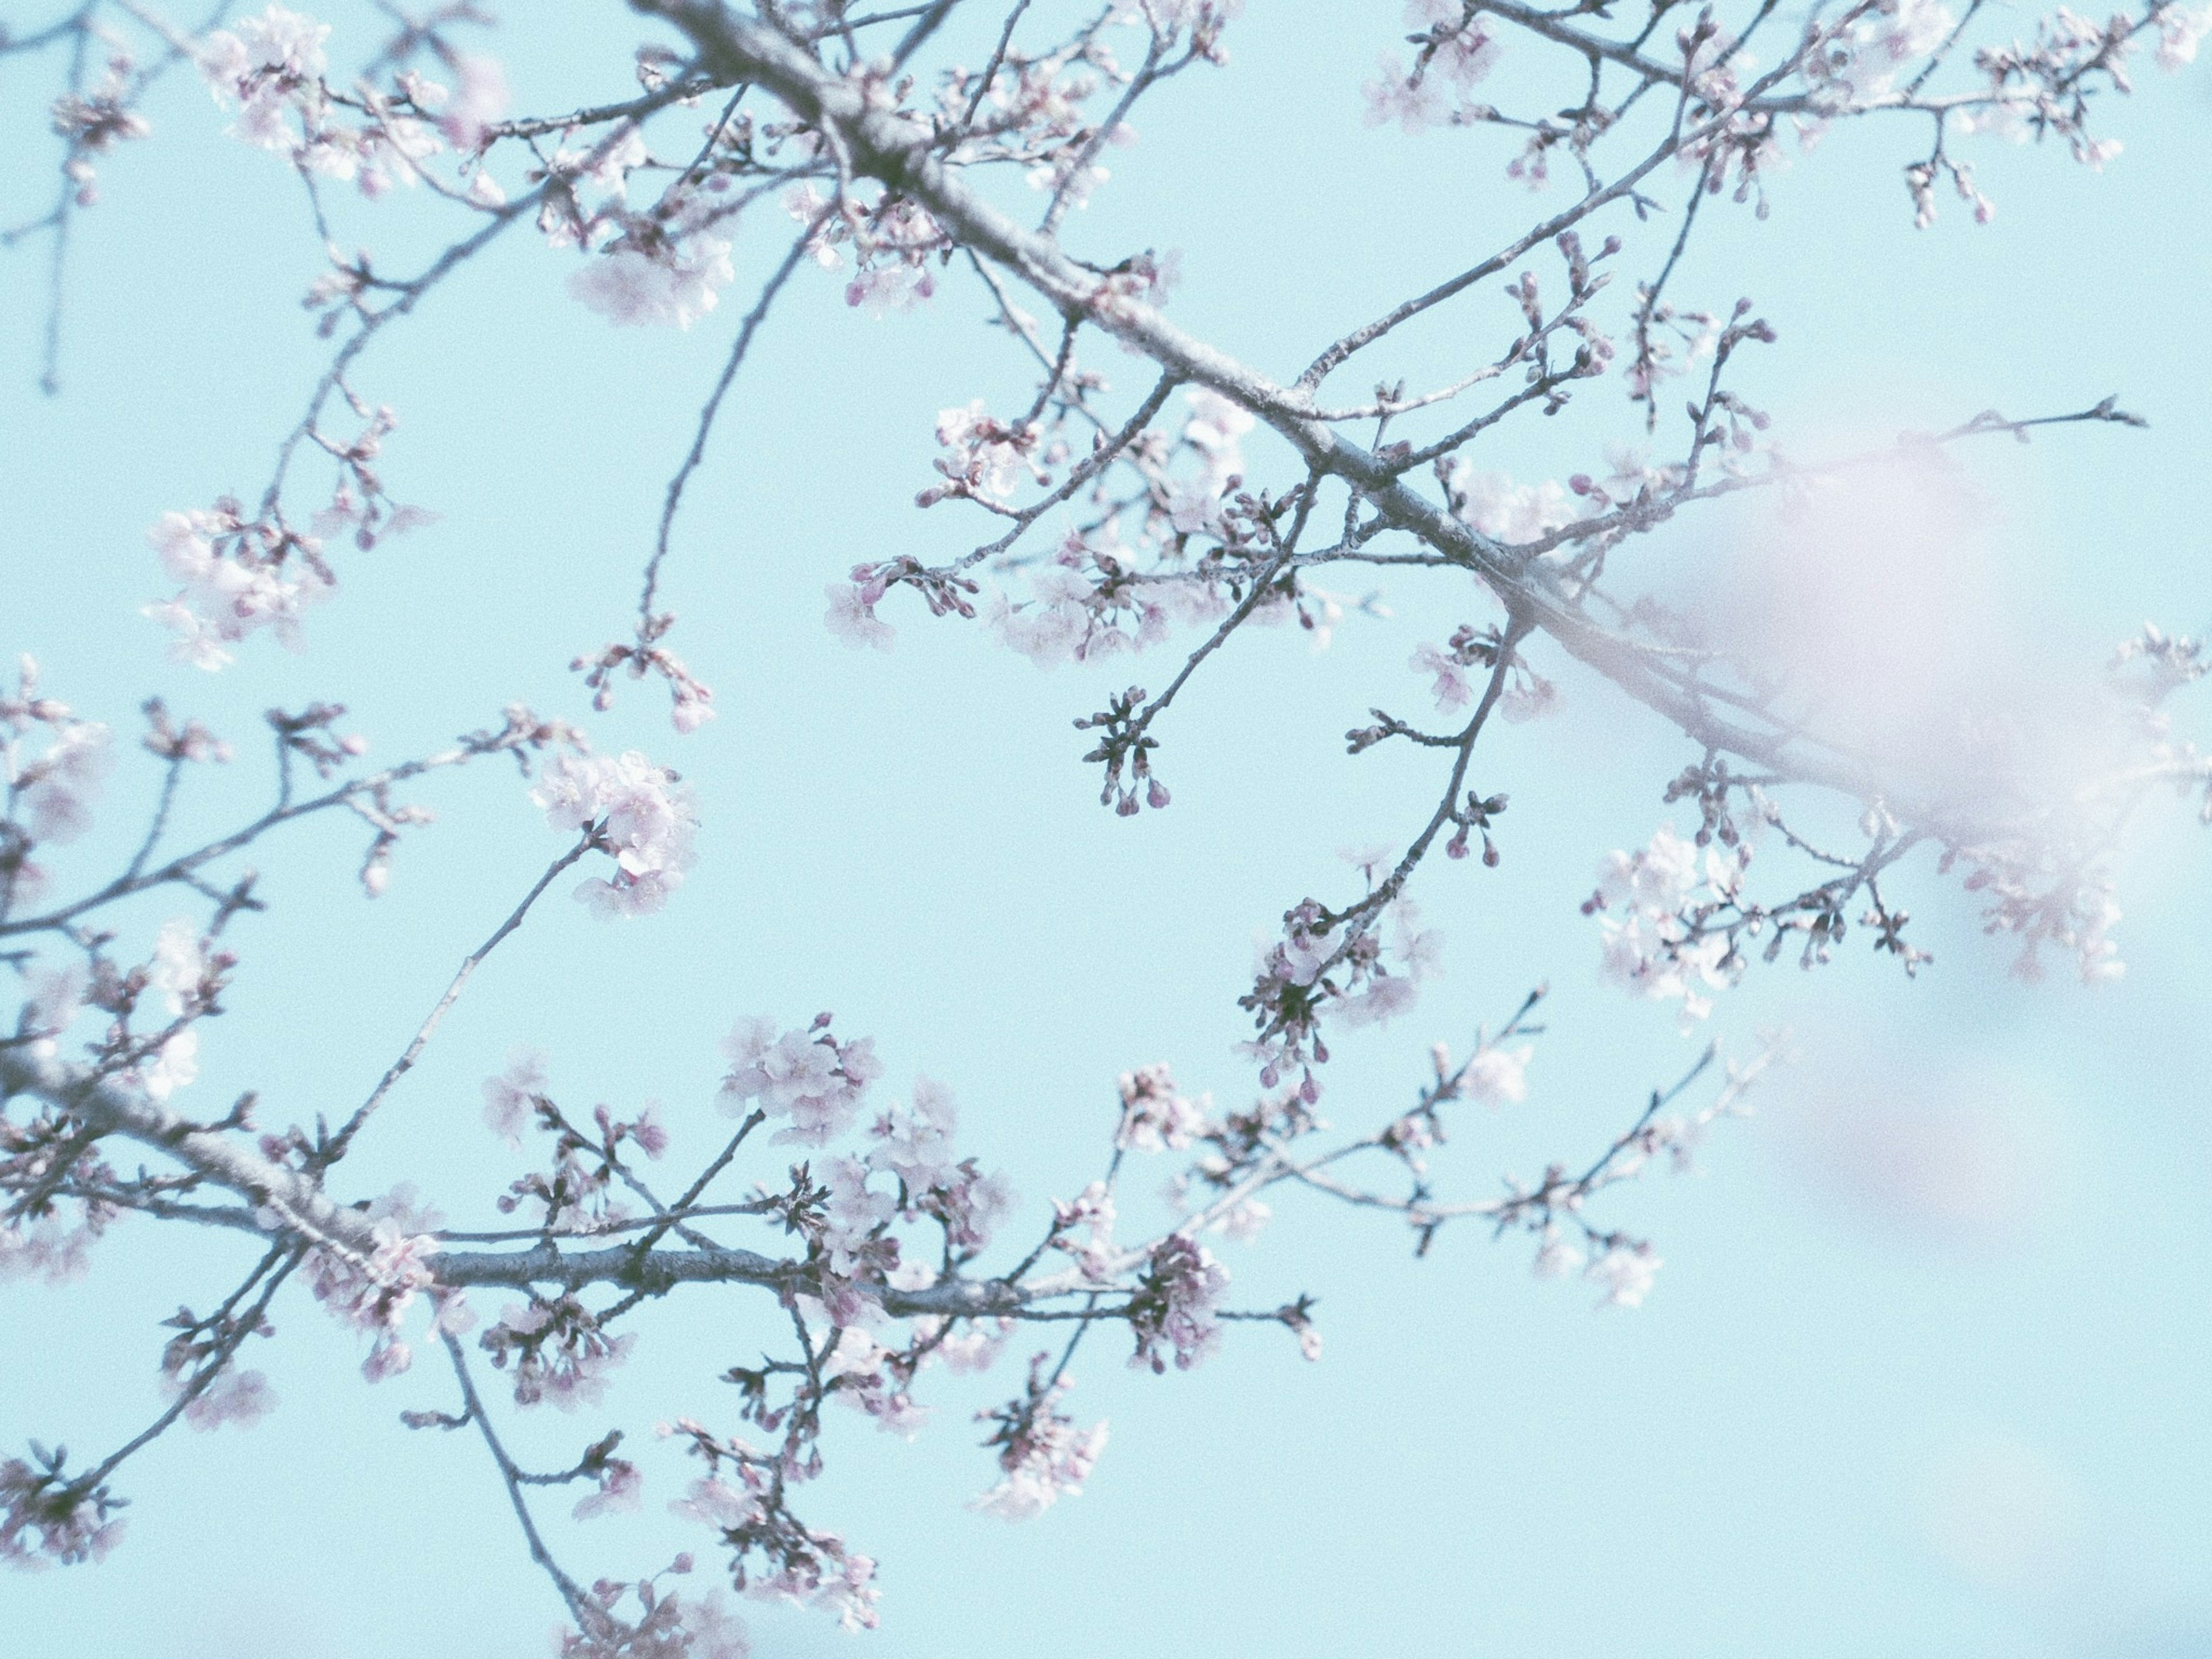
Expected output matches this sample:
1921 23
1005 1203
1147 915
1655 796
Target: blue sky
1857 1417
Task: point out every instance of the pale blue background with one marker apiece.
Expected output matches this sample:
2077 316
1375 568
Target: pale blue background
1749 1465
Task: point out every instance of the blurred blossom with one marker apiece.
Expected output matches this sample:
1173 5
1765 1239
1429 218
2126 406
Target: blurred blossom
2001 1513
1962 1154
1881 604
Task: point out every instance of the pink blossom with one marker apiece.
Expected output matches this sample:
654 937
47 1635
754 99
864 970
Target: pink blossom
1050 1463
1520 702
2179 29
1093 1210
853 1216
1043 1455
1393 95
987 456
1555 1257
675 284
177 966
620 1490
1175 1305
1215 429
373 1293
57 997
239 1397
59 787
1626 1273
915 1143
643 816
234 583
387 1358
713 1631
884 288
480 101
811 1077
1506 511
175 1064
1419 950
1386 996
47 1250
35 1501
852 617
1154 1115
509 1098
1497 1076
1451 690
1244 1220
969 1352
1658 878
278 43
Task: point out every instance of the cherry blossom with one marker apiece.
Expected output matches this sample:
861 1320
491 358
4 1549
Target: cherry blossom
239 1397
675 285
374 1292
2179 29
1497 1077
1044 1456
852 615
1138 490
1627 1272
58 789
987 459
509 1098
1183 1284
69 1524
638 812
480 99
1154 1115
807 1076
238 576
560 1355
1503 510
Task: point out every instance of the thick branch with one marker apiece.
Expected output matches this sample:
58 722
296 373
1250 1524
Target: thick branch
900 153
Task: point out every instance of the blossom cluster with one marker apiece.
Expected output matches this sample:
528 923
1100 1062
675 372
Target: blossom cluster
1044 1457
270 67
1342 965
1506 512
1173 1310
52 765
1081 607
46 1517
641 814
1652 904
669 1626
237 575
795 1562
1154 1115
560 1356
808 1077
894 243
93 122
643 280
1458 49
373 1293
1525 696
